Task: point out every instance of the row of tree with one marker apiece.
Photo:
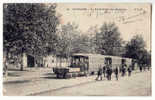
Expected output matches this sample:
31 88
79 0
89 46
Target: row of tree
33 28
105 40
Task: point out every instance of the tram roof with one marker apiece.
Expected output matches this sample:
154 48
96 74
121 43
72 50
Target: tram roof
85 54
95 55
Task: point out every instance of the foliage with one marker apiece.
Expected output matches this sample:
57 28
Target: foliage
67 34
135 49
28 27
32 28
72 40
108 40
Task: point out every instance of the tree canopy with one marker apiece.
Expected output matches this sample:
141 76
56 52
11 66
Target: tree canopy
135 49
108 39
28 27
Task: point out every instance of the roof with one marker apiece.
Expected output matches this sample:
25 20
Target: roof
96 55
85 54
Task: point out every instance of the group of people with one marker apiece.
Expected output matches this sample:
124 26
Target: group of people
143 67
107 71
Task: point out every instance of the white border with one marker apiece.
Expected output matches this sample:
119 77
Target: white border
75 97
82 1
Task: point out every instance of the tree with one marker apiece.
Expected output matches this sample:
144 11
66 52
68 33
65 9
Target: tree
146 58
67 34
72 40
108 40
92 43
29 28
82 44
135 49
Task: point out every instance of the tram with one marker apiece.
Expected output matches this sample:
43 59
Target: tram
87 64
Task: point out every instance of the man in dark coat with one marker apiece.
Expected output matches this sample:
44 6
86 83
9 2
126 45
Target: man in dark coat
108 72
129 71
104 70
116 73
99 74
140 67
124 69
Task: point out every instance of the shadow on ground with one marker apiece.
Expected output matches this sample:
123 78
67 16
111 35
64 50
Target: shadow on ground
13 75
49 74
16 70
17 82
52 77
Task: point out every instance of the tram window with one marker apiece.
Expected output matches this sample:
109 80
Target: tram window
75 62
108 61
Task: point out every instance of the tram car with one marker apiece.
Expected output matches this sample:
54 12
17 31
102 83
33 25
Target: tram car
86 64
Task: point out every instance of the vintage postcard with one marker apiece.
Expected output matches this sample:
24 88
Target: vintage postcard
77 49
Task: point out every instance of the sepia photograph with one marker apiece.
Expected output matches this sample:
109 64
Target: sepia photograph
77 49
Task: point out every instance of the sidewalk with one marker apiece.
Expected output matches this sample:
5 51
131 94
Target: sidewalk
35 86
36 81
28 73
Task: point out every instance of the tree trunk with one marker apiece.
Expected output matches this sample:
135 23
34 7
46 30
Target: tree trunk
6 64
21 62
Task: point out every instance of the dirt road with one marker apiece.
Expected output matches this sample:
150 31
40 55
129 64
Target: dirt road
139 84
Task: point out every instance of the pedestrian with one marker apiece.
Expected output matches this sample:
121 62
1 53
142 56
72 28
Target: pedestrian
129 71
124 69
110 73
104 71
140 67
99 74
116 73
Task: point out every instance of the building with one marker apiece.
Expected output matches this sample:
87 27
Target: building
55 61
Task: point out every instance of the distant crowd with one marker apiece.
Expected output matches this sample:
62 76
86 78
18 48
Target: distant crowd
107 71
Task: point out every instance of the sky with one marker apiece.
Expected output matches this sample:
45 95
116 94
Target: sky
131 18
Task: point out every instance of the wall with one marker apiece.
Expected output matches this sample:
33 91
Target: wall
53 61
